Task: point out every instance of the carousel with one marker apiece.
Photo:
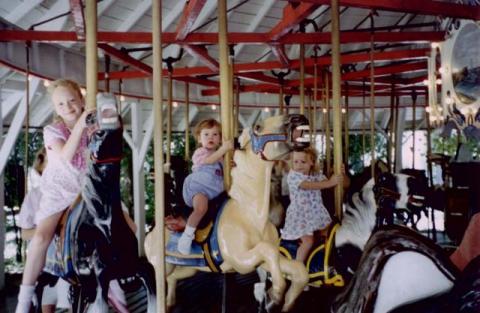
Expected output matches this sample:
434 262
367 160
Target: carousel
364 112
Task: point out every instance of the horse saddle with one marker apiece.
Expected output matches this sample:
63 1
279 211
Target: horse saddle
319 261
205 250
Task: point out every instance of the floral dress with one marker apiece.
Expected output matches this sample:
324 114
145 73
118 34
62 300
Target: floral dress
61 181
306 212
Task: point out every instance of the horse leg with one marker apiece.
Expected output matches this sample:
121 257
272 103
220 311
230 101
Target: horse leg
174 275
298 275
265 254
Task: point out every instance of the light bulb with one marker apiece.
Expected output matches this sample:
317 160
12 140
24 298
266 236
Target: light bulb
425 82
214 107
266 110
435 45
175 104
46 83
122 98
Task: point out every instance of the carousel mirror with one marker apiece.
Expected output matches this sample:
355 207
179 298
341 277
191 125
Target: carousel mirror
465 64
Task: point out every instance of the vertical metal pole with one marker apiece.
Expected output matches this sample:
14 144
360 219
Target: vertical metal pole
187 121
280 100
27 117
169 118
158 154
337 113
313 122
328 142
225 90
347 134
2 212
414 113
237 106
372 101
91 53
364 119
302 79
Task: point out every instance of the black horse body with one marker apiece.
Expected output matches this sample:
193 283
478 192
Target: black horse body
95 244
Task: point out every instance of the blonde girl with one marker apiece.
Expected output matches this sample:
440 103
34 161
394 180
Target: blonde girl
306 212
206 180
62 180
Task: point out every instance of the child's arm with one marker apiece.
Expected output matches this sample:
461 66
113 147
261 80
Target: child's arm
67 149
324 184
217 155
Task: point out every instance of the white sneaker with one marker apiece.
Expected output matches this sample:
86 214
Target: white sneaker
184 245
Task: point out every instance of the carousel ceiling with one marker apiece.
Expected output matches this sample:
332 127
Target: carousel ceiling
266 38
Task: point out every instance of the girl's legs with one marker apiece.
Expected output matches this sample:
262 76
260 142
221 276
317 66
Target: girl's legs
200 207
36 260
304 248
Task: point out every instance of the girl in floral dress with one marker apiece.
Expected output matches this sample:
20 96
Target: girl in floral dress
306 212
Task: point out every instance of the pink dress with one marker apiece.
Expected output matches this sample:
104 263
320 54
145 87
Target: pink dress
306 212
61 181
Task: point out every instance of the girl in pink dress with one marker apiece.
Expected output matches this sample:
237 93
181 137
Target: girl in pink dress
306 212
62 180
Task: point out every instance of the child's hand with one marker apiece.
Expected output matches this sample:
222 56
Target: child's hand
336 179
227 145
82 120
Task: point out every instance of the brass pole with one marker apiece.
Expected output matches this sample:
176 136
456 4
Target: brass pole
280 100
364 119
187 121
328 142
237 107
27 117
302 79
372 102
337 113
91 53
169 118
157 148
391 134
347 139
414 113
225 90
313 122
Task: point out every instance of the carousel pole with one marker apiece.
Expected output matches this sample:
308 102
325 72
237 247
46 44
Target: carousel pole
237 107
391 134
91 53
347 133
187 121
364 119
328 142
27 115
225 86
414 113
372 99
169 118
313 122
158 154
302 79
337 114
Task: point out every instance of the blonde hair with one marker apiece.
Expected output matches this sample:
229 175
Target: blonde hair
313 155
66 83
206 124
40 160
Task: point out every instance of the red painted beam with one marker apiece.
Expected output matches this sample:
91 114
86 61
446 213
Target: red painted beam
386 70
125 58
189 16
259 76
202 53
423 7
233 38
292 16
76 10
279 52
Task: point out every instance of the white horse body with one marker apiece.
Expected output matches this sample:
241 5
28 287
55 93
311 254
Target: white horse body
409 276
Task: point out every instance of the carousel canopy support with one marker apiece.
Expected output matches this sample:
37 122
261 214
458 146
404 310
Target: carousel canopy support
158 154
91 54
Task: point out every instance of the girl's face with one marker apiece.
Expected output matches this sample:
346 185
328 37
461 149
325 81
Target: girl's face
302 162
67 104
210 138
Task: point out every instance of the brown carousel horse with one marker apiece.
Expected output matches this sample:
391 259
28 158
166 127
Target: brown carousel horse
243 238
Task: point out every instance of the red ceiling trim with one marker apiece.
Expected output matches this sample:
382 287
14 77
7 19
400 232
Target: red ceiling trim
202 53
190 14
233 38
125 58
292 16
423 7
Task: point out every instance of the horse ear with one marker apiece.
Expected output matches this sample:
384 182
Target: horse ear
244 138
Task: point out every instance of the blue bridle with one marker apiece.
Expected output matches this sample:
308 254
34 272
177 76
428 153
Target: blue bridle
259 141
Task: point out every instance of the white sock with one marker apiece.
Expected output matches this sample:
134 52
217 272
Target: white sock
189 230
25 296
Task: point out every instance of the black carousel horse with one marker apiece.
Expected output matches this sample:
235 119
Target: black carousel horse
94 244
402 271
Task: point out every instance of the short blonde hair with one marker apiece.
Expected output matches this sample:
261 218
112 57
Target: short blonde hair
207 124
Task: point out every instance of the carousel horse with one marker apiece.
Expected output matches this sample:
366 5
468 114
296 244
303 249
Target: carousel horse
243 238
94 244
402 271
333 262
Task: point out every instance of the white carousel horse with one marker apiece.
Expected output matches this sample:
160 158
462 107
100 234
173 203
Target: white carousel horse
246 238
332 263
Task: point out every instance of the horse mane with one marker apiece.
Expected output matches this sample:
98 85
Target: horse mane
386 242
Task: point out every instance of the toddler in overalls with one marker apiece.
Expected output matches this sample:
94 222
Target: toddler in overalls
206 180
